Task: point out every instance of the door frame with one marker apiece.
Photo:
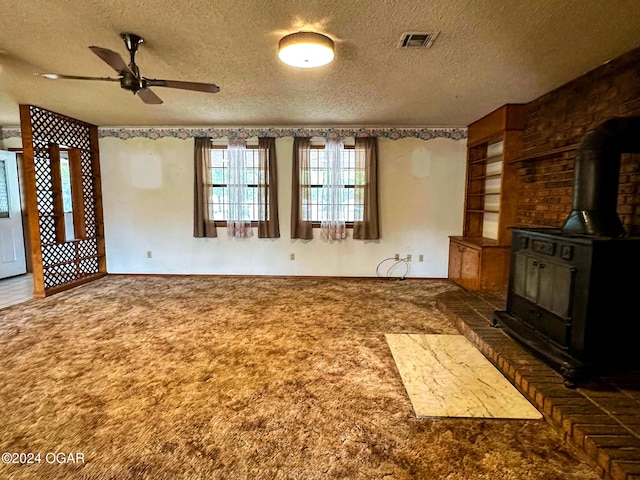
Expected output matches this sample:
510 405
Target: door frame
23 208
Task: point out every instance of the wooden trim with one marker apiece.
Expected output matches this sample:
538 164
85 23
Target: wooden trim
68 286
97 191
476 242
29 128
492 126
77 197
224 275
31 196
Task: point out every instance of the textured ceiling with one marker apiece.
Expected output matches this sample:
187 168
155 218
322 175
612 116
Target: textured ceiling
489 52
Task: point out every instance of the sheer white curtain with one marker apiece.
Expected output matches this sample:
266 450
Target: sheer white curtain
333 224
239 216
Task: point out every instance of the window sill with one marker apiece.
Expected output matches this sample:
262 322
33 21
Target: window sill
319 224
223 223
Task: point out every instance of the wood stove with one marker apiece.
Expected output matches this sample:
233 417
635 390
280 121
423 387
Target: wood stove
571 290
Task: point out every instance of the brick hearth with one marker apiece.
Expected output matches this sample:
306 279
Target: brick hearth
600 419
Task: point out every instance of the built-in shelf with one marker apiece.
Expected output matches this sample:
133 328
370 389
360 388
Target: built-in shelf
479 258
484 210
482 177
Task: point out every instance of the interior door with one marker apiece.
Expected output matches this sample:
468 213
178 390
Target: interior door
12 254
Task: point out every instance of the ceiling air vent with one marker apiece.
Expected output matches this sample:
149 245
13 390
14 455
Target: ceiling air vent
417 39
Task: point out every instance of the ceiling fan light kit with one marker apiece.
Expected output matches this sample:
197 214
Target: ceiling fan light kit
129 75
306 49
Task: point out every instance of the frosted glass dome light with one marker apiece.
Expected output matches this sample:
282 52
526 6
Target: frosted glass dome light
306 49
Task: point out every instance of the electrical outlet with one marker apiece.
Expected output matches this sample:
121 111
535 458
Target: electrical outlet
149 254
408 257
397 256
421 258
292 256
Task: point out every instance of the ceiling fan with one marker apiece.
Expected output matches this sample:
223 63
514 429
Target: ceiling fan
130 78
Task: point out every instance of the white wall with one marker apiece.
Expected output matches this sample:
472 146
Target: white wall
148 206
11 142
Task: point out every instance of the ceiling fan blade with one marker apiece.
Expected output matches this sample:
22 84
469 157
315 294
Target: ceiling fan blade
112 58
198 87
147 96
56 76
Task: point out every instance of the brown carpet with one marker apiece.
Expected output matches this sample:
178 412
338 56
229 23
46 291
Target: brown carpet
242 378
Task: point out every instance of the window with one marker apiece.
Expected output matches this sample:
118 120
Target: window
4 191
236 187
335 187
316 195
218 192
67 204
66 186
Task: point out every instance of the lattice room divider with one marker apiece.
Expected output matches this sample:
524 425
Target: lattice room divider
59 264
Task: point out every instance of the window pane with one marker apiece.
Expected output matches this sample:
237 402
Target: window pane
216 213
316 177
218 176
347 195
252 176
219 194
66 184
249 179
4 191
218 159
315 195
250 195
358 213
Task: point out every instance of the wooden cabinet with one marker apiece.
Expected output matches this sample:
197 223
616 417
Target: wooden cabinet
479 259
478 264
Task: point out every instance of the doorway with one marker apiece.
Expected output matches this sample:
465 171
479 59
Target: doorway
12 245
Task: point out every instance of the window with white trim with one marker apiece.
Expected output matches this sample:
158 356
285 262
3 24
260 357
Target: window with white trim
217 184
314 193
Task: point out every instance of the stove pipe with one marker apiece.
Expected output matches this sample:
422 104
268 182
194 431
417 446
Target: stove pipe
597 170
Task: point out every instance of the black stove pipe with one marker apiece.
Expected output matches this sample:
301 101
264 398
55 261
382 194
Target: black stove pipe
596 178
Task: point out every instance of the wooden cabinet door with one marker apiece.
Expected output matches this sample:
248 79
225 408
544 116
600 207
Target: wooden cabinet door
455 261
470 268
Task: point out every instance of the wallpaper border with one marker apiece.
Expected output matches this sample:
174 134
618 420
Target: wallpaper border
153 133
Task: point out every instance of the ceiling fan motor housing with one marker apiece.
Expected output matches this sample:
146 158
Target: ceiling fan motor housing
130 82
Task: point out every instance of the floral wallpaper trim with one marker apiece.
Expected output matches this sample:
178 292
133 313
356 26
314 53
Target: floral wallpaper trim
392 133
9 132
186 132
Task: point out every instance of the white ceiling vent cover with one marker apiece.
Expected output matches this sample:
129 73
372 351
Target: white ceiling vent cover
417 39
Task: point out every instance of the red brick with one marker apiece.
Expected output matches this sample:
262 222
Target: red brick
562 118
625 470
594 443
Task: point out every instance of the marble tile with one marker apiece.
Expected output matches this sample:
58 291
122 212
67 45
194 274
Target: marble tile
446 376
16 290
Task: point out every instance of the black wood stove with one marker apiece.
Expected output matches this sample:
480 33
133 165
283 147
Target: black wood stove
571 296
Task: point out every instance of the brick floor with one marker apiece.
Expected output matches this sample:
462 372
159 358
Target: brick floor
600 418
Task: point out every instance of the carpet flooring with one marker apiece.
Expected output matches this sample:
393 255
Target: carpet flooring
242 378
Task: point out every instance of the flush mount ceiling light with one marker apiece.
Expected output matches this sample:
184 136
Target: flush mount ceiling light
306 49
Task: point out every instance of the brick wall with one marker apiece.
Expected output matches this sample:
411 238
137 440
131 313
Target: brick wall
559 120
